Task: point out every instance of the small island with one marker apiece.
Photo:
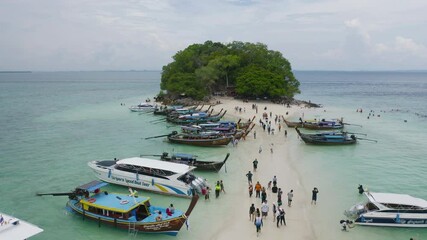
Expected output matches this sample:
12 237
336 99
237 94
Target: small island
243 70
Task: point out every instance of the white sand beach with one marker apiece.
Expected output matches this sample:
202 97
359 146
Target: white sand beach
236 224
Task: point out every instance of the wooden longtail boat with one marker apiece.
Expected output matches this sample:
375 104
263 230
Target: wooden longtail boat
196 119
327 138
124 211
200 140
165 110
245 125
323 125
292 124
191 160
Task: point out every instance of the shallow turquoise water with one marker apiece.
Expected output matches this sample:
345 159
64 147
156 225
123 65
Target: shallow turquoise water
395 164
54 123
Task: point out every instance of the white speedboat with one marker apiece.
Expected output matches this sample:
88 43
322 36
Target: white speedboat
151 175
391 210
143 107
17 229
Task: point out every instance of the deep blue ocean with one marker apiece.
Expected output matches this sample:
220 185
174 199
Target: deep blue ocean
53 123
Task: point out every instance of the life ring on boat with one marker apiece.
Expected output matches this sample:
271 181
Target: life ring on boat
124 202
91 200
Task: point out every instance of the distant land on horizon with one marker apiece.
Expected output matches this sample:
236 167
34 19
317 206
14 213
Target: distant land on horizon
35 71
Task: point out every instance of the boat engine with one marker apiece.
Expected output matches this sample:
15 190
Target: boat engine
355 211
198 184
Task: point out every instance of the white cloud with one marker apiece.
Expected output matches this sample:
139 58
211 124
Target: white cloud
408 45
144 34
353 23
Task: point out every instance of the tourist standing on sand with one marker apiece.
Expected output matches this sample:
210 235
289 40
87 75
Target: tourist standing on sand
274 211
278 217
258 224
249 175
274 181
254 134
286 133
314 195
251 190
264 209
263 195
279 198
290 197
255 164
252 212
258 190
282 216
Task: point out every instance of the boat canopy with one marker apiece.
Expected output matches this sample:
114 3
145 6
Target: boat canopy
396 199
152 163
114 202
92 186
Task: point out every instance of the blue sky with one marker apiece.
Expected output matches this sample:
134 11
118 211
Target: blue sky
62 35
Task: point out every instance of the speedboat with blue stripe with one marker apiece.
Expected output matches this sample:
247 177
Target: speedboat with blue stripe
390 210
150 175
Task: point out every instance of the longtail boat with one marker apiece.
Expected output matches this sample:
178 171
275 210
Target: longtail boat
165 110
191 160
292 124
330 138
324 125
125 211
245 125
206 140
196 118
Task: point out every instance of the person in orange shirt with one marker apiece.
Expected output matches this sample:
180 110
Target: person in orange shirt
258 190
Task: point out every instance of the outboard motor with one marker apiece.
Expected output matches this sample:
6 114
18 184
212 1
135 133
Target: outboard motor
198 184
355 211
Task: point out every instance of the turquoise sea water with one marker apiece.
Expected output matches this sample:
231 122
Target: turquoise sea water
52 124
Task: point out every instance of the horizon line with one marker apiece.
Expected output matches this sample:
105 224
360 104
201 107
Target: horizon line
151 70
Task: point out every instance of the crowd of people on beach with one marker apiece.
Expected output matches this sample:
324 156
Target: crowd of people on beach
270 195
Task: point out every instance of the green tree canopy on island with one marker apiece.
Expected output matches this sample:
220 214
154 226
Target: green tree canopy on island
252 69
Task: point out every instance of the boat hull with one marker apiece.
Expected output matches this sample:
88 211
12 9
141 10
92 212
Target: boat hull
315 126
146 110
328 142
393 220
292 124
204 142
200 165
319 139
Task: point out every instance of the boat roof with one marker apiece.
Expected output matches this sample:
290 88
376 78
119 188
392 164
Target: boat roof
92 186
152 163
394 198
114 201
17 229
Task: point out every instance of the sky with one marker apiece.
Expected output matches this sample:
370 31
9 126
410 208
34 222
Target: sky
83 35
